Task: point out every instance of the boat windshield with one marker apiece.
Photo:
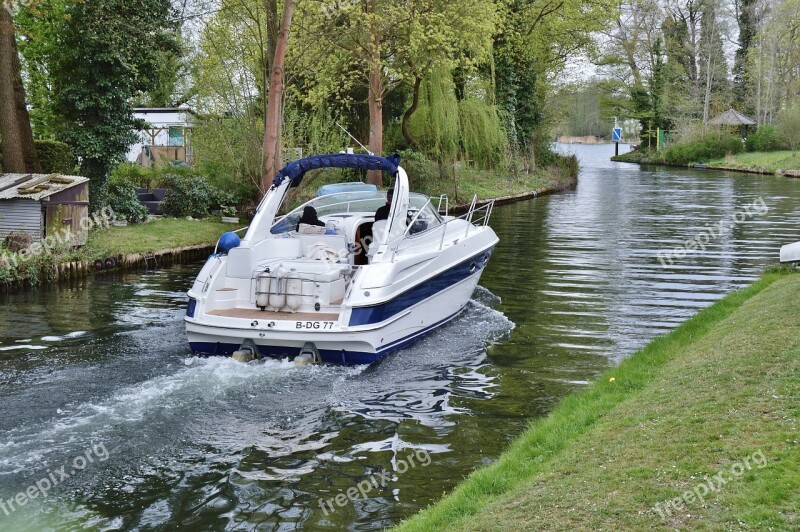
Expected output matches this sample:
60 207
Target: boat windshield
356 202
427 219
340 203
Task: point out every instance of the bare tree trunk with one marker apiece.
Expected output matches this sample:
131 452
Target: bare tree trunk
273 27
19 151
707 99
272 125
758 84
375 98
410 111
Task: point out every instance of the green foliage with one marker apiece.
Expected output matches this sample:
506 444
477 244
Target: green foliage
55 157
483 137
765 138
228 152
123 201
448 128
39 28
435 125
134 174
194 196
422 172
109 52
315 131
702 147
788 126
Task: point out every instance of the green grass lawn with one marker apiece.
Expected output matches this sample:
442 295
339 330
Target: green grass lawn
155 235
719 389
771 161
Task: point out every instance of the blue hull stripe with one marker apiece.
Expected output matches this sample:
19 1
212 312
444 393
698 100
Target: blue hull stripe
330 356
421 292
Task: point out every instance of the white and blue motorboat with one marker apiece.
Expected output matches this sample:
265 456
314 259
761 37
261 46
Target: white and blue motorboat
348 293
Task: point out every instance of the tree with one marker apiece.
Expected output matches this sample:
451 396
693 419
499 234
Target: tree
713 67
688 12
374 48
773 58
535 40
788 127
746 19
109 54
274 116
19 152
677 97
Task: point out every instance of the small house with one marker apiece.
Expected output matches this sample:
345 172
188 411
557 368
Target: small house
45 205
165 138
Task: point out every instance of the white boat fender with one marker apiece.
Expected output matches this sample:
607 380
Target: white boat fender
790 252
263 283
277 299
294 290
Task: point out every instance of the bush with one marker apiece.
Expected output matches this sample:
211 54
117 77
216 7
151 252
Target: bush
55 157
702 147
133 174
422 172
194 196
124 202
765 138
788 127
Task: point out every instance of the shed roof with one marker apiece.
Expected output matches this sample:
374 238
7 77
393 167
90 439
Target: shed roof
731 117
36 186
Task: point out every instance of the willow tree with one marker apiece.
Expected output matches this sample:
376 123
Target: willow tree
390 44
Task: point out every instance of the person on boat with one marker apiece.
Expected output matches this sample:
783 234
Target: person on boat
309 222
383 212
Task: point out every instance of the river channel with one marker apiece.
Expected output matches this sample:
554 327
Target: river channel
100 368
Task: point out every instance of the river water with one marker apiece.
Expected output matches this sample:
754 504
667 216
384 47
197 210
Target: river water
100 369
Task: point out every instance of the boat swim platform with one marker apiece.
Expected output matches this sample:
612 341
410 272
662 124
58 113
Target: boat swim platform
255 314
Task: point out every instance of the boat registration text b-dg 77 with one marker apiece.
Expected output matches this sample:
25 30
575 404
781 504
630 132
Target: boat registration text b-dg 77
314 325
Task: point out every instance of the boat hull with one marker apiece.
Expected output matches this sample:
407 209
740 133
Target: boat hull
362 344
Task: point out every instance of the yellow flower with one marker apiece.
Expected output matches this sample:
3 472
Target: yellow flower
612 379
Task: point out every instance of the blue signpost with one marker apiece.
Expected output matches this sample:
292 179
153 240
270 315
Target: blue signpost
616 136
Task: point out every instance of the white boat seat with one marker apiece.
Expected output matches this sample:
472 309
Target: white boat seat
313 243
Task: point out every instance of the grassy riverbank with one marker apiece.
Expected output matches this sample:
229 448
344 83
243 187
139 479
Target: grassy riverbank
769 162
460 181
151 237
717 391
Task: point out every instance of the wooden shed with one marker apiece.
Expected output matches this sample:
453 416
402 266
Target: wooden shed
44 205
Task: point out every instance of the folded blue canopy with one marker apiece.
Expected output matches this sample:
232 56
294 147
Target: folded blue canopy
295 170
